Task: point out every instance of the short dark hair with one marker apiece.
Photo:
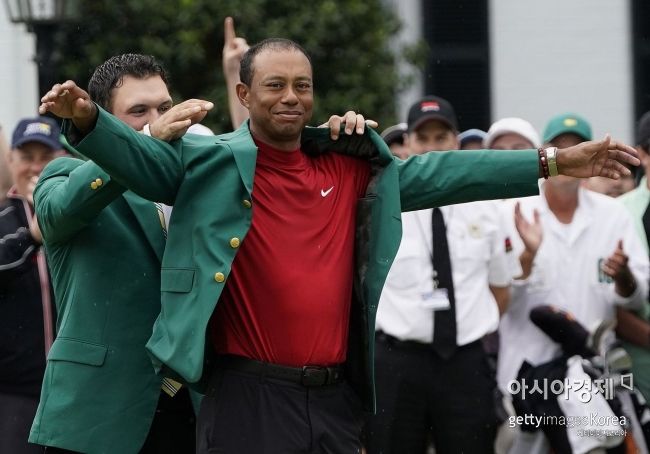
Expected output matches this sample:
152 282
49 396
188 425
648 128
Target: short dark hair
110 74
277 44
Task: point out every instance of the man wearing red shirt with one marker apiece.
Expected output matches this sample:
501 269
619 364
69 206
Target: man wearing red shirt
291 244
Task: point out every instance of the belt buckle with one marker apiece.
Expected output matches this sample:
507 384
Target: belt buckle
314 376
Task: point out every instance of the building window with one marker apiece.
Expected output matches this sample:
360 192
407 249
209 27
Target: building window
458 67
641 56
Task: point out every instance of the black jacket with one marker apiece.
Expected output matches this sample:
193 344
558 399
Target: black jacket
26 302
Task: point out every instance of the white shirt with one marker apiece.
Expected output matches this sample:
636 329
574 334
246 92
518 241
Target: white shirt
475 234
567 273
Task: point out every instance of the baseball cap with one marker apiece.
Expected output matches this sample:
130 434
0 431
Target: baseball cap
512 125
431 108
567 123
394 134
41 129
471 134
643 130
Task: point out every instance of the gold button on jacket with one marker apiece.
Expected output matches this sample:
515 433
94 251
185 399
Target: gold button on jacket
234 242
247 203
219 277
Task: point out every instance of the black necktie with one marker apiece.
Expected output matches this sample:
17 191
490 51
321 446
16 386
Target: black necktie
444 326
646 227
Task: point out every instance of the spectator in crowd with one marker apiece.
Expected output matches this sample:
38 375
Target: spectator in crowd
441 297
394 138
100 392
634 326
296 255
471 139
578 251
511 133
27 322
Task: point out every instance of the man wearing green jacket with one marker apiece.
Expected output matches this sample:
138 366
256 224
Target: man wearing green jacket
278 248
100 393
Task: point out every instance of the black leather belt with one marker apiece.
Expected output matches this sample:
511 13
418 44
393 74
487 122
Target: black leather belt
395 342
309 376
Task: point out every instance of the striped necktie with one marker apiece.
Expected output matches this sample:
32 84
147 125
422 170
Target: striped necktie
171 387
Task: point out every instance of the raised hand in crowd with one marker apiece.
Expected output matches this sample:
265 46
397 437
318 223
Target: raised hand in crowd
616 267
531 234
234 48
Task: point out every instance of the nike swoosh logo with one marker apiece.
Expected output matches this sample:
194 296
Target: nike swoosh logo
325 193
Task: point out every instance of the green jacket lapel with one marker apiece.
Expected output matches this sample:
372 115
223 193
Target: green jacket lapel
147 215
244 151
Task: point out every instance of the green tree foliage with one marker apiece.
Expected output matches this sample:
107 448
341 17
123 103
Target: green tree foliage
349 41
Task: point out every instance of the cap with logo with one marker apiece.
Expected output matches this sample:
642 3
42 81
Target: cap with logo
567 123
41 129
431 108
512 125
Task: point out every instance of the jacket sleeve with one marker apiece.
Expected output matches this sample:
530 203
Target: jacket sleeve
450 177
16 244
147 166
70 193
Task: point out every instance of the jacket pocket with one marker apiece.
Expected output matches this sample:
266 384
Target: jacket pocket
77 351
177 280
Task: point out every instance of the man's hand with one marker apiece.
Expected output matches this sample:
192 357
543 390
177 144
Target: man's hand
531 234
352 121
67 100
173 124
604 158
30 189
617 268
234 48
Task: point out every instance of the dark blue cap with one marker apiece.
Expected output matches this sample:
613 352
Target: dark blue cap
41 129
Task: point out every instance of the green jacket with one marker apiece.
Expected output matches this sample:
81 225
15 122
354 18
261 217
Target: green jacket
209 181
104 248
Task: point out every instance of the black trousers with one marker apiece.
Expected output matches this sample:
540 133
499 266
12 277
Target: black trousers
172 431
16 416
422 398
248 413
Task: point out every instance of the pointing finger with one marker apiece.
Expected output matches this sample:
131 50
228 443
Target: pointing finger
229 31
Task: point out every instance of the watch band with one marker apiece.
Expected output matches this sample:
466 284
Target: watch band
551 156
